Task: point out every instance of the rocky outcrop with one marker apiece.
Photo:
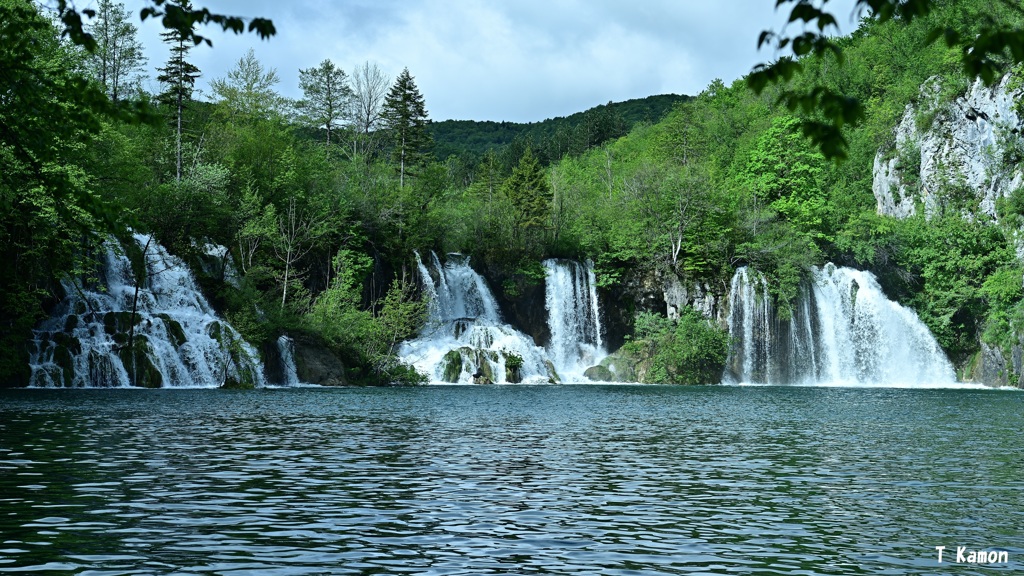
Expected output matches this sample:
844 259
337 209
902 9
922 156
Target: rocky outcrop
963 153
990 366
699 295
662 293
521 300
315 364
622 366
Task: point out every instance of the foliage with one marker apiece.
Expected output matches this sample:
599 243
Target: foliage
326 96
322 235
690 350
529 196
550 139
248 89
179 78
118 52
985 38
50 210
176 16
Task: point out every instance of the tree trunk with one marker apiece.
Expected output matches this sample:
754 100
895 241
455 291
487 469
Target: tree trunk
135 307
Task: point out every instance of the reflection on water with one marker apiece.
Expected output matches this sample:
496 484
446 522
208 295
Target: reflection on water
509 480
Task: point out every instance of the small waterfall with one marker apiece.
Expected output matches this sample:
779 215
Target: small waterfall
843 330
286 348
573 316
177 339
465 340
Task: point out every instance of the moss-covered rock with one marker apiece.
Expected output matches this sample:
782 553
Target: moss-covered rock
142 372
452 362
620 366
114 322
553 377
248 375
484 374
599 374
63 359
70 342
513 368
71 322
174 330
214 330
236 384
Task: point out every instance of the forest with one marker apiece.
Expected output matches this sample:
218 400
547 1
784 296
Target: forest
323 202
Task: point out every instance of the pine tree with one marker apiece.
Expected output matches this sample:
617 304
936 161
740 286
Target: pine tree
179 76
529 193
118 51
327 96
405 117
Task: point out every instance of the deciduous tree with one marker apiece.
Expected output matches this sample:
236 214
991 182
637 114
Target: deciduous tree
248 89
327 96
369 89
118 53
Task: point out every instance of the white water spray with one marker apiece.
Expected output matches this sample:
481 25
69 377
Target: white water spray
843 330
465 340
177 339
574 319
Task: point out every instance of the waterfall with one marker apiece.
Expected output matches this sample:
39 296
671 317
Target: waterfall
842 330
465 339
177 339
286 348
573 316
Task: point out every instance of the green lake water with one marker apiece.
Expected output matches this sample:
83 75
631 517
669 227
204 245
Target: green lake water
510 480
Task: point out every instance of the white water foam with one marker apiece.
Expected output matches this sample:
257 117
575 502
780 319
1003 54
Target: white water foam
465 339
574 318
179 340
843 331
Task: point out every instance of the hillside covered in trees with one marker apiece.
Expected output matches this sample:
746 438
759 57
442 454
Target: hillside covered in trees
323 202
551 139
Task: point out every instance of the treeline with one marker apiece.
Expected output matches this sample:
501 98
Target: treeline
550 139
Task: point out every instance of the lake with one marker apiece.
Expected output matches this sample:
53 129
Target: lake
510 480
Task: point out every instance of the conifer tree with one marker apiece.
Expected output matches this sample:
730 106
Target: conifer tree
179 77
405 117
529 193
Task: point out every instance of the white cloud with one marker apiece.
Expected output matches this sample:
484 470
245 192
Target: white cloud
522 60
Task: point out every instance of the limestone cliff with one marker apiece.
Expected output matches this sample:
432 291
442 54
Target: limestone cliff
962 153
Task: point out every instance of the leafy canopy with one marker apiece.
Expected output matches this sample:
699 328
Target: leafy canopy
983 51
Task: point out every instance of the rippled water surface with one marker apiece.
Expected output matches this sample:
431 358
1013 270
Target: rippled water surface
510 480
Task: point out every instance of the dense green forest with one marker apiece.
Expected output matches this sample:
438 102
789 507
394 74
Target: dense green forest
323 201
551 139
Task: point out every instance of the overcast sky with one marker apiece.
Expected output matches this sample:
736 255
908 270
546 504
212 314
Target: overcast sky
516 60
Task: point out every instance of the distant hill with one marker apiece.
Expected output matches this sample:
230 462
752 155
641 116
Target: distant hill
552 138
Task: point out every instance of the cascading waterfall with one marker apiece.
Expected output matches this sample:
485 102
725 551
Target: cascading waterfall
573 317
286 349
842 330
465 340
173 338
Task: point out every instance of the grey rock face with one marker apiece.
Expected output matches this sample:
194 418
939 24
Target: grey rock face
966 146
